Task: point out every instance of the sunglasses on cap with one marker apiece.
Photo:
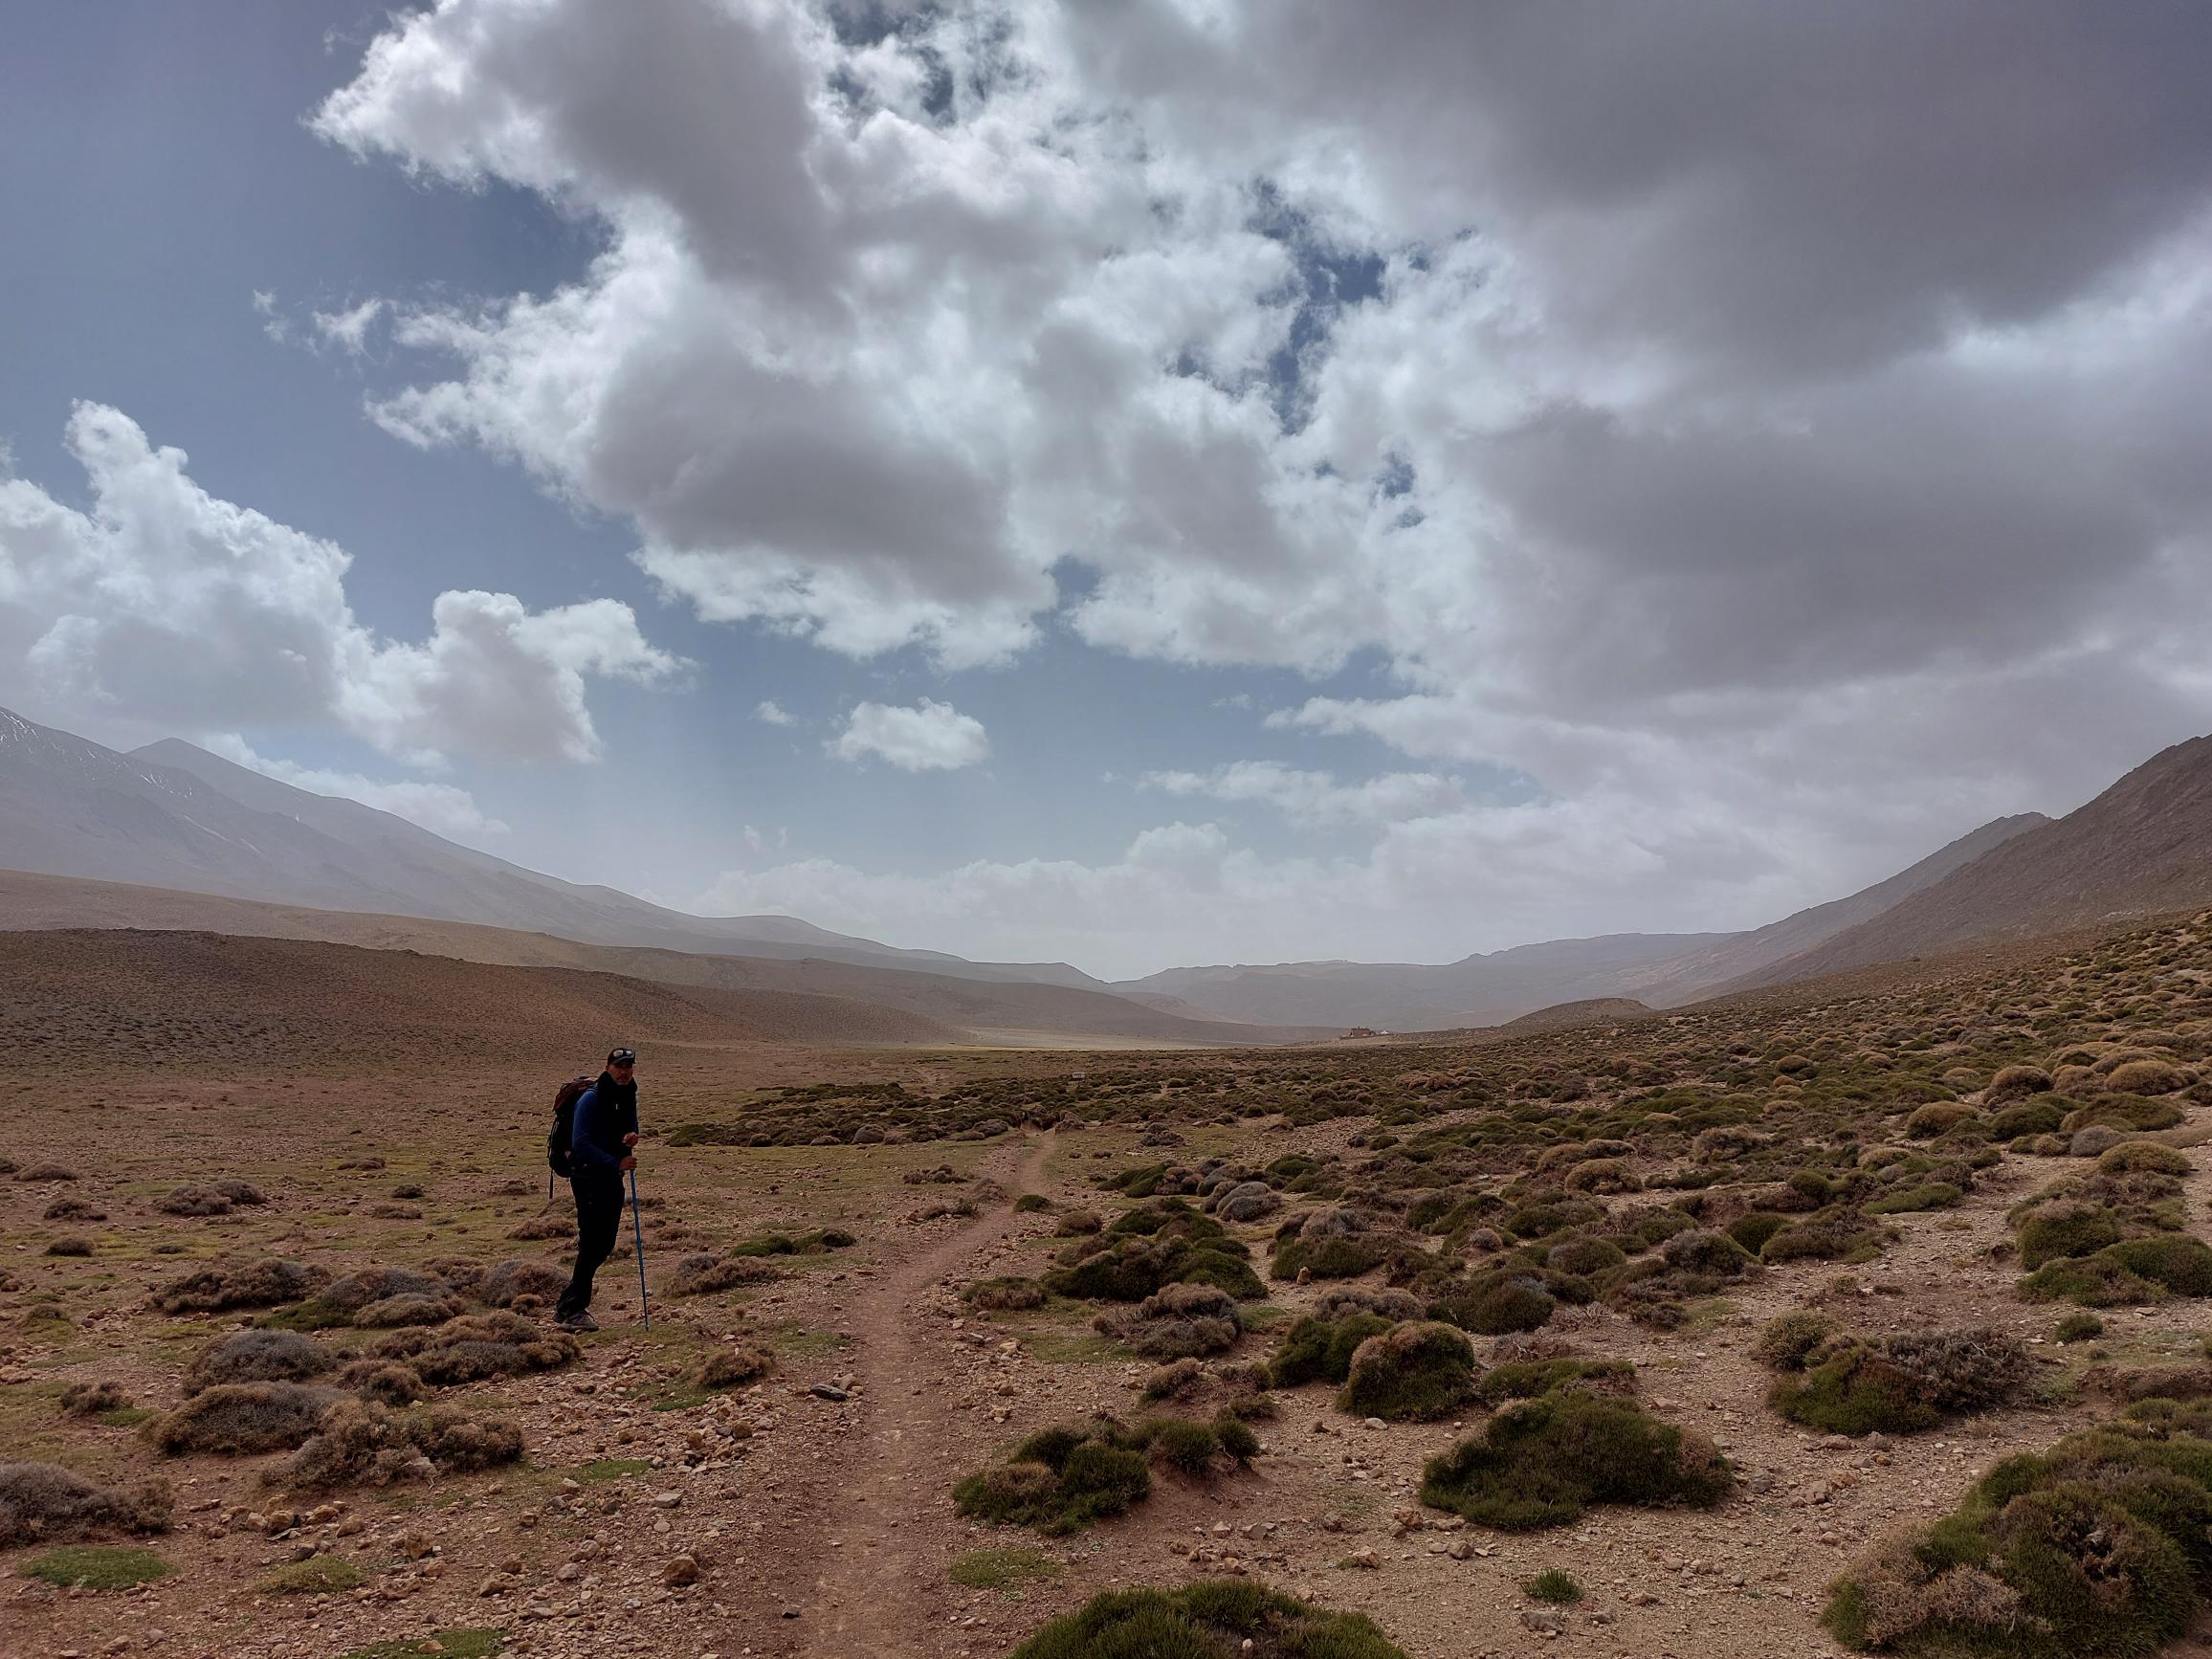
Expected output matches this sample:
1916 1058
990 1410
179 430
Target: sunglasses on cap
623 1057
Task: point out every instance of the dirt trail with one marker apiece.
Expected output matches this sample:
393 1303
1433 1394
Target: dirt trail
880 1588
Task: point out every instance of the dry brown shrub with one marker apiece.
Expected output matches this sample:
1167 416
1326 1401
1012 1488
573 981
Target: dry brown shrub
69 1244
73 1209
407 1310
508 1282
262 1284
475 1347
46 1172
46 1503
257 1357
2146 1077
704 1274
386 1381
1177 1321
92 1399
362 1442
243 1419
549 1225
731 1367
1897 1597
192 1199
368 1287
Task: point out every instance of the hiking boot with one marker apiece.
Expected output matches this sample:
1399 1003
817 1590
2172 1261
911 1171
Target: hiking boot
576 1323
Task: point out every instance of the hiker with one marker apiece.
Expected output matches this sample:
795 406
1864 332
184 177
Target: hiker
602 1147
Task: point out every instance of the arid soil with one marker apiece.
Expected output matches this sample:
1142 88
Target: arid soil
809 1512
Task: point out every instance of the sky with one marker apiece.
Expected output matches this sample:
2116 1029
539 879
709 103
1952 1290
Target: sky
1167 482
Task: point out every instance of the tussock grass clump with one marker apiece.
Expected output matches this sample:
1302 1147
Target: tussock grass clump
93 1400
97 1567
1061 1479
1205 1621
1079 1223
1416 1371
1540 1463
731 1367
1177 1321
1903 1383
2098 1546
360 1442
257 1357
2079 1327
192 1199
704 1274
1005 1294
820 1242
69 1245
44 1502
74 1209
242 1418
262 1284
315 1576
478 1347
1554 1585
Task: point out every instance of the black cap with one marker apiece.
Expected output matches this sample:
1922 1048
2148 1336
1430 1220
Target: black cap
622 1057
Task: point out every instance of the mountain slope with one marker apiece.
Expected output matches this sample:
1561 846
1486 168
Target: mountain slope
2142 846
1702 972
234 1005
1479 990
171 815
955 1008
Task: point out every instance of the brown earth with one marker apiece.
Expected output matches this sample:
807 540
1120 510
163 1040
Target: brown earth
823 1526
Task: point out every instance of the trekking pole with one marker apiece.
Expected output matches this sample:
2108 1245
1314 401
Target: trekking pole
637 1231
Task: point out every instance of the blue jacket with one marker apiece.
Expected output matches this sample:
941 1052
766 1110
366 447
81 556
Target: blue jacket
605 1113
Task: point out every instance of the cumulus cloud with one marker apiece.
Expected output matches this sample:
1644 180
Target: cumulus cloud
772 713
348 328
446 809
1779 416
164 605
931 737
1316 799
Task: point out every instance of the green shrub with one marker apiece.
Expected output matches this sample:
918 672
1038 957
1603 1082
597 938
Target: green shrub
1784 1343
1526 1379
1932 1195
1060 1479
315 1576
2145 1158
1904 1383
1754 1230
1005 1295
2065 1229
2079 1327
1418 1370
998 1569
1031 1202
1320 1350
1542 1462
469 1644
1584 1256
1553 1585
2098 1546
97 1566
1205 1621
2123 1274
1498 1302
2039 1115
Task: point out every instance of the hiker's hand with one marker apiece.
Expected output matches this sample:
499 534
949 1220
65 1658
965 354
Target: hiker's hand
629 1140
626 1164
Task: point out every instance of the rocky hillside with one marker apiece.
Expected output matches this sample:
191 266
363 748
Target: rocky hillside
2141 847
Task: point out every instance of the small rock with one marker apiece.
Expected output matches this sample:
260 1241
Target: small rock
679 1571
829 1391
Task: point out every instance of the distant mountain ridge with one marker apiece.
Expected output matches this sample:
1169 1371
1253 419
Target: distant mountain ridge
171 815
1659 970
2141 847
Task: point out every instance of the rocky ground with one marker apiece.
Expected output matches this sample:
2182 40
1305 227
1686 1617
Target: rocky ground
808 1513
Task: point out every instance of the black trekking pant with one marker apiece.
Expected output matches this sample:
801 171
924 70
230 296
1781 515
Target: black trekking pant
598 1224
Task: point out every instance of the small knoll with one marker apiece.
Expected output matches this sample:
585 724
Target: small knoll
1589 1011
126 998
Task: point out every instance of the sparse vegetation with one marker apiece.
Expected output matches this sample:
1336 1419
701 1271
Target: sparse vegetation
1204 1621
1539 1463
